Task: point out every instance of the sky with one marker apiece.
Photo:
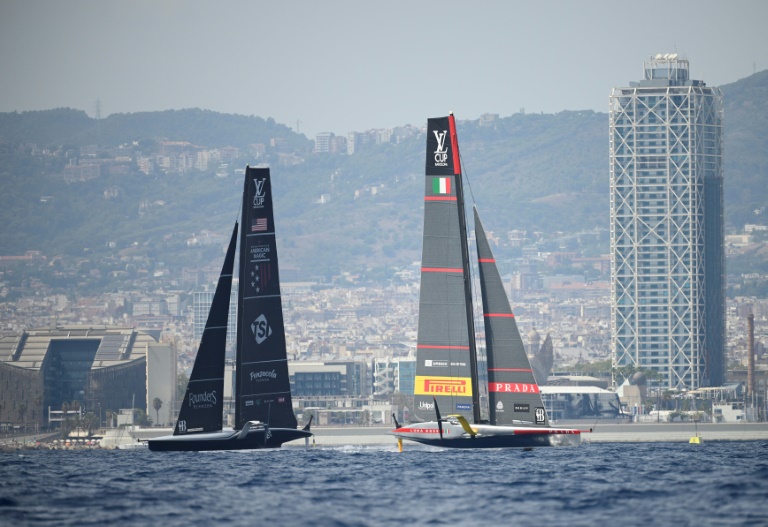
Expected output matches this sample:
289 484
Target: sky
354 65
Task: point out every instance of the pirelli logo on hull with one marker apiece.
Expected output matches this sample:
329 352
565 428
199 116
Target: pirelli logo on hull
443 386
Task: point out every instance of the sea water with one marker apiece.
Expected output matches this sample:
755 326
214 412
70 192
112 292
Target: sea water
716 483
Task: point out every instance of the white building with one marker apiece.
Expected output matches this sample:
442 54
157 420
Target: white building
667 259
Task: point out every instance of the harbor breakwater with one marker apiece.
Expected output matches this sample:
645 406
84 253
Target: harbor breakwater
378 435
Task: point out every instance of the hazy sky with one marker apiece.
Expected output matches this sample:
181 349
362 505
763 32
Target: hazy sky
337 66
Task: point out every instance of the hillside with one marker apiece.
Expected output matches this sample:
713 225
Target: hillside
536 172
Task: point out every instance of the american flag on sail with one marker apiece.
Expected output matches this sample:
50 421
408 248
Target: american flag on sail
259 224
265 274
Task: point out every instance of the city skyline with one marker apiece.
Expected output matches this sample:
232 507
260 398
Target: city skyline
351 67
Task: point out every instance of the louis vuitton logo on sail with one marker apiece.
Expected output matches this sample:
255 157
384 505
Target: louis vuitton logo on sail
441 153
259 196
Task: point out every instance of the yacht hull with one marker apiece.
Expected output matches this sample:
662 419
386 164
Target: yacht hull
488 436
227 440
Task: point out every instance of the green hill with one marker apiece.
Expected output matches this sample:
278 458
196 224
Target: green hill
534 172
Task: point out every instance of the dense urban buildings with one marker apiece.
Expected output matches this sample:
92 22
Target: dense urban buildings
667 254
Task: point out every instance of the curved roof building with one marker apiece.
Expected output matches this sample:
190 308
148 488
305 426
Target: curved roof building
104 368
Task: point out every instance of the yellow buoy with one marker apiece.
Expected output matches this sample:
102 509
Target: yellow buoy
399 445
695 440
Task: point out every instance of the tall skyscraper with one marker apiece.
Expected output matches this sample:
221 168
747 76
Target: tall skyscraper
201 304
667 257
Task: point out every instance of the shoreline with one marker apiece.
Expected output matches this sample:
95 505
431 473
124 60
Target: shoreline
601 433
378 435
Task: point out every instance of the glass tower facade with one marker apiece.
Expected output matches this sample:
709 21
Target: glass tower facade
667 258
201 304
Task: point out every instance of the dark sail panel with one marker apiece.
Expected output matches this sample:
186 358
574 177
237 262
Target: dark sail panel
513 395
201 410
263 386
445 367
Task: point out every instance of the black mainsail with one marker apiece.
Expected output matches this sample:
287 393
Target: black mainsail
263 388
264 415
446 362
203 405
513 395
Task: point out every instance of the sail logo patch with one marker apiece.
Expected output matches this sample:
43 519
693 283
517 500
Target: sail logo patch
259 225
442 386
441 185
260 252
261 276
260 195
522 407
438 363
500 407
540 415
261 329
513 387
424 405
264 375
202 400
441 153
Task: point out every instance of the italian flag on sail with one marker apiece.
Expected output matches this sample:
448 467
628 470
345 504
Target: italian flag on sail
441 185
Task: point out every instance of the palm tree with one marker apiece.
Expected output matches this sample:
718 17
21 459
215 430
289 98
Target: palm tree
141 418
157 404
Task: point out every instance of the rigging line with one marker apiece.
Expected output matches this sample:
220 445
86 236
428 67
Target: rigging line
477 303
464 173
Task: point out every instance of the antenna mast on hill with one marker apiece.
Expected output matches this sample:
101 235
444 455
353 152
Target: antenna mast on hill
98 121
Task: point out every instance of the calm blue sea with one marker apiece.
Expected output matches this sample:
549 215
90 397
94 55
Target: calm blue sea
717 483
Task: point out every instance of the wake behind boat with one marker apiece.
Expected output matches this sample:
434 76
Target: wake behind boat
446 356
264 415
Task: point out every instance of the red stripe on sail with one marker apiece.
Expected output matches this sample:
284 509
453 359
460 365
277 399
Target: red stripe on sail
504 315
439 198
454 145
442 270
434 347
486 260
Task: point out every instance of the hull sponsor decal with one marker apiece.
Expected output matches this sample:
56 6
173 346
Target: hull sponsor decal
443 386
513 387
